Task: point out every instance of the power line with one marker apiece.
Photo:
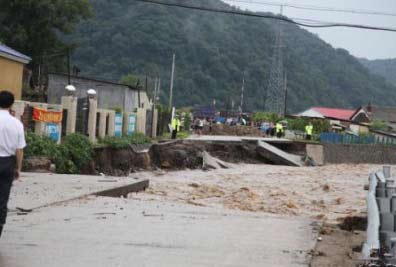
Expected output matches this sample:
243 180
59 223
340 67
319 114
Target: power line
317 8
269 16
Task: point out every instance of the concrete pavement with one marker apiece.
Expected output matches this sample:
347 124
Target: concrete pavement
125 232
229 138
34 190
277 155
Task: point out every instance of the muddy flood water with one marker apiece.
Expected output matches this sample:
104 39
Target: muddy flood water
328 193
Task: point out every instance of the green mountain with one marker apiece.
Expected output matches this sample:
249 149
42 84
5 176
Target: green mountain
383 67
214 50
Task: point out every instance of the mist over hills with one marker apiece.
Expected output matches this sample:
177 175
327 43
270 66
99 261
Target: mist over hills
383 67
212 53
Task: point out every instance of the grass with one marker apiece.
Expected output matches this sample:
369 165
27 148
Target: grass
125 141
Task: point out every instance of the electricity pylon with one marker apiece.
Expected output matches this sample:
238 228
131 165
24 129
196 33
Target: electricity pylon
275 94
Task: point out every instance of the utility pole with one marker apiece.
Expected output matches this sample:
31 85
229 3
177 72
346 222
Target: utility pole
68 66
155 88
242 95
227 107
274 101
171 83
156 85
158 89
285 104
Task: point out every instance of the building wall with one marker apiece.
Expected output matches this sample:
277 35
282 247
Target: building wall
359 154
359 129
384 138
109 95
11 74
315 152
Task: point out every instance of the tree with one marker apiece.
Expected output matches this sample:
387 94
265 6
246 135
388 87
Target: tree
36 27
271 117
379 125
258 116
130 79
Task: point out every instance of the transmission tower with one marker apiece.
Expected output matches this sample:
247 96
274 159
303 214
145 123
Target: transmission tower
275 94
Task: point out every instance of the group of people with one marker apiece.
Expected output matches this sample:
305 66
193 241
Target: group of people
198 125
271 129
277 129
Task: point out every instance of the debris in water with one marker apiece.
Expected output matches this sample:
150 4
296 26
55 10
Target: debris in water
326 188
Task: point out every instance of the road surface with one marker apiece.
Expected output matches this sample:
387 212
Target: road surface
122 232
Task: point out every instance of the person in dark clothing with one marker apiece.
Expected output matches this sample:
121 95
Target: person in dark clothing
12 142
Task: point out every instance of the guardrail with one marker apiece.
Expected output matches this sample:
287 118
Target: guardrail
380 246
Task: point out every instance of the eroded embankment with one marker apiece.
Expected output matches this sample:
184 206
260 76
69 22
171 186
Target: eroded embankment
175 155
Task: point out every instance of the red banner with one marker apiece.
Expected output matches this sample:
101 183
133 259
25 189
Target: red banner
44 115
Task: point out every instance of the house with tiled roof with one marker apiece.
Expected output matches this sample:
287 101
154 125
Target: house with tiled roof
12 64
355 120
384 114
356 115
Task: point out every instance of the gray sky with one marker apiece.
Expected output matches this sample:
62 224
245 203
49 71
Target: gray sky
360 43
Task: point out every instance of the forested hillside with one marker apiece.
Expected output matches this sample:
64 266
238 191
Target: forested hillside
384 67
212 53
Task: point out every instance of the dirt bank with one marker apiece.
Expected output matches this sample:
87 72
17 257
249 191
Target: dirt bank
338 248
173 155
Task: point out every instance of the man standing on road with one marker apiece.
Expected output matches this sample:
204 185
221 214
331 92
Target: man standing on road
174 128
279 129
308 131
12 142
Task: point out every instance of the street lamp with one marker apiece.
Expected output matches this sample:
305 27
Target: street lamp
91 93
70 90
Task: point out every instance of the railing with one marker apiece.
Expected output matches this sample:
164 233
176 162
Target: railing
380 246
335 138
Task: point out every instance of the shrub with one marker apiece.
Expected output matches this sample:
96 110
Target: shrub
319 125
75 152
187 122
379 125
125 141
258 116
64 164
297 124
40 146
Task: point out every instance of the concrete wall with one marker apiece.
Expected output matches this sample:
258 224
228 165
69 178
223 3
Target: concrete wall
11 74
141 120
316 153
109 95
39 127
340 153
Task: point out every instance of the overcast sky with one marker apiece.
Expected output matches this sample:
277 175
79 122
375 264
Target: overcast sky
360 43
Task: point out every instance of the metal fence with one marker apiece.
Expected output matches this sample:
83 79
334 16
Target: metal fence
335 138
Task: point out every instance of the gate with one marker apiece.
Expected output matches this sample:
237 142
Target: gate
64 122
82 116
149 122
164 118
27 119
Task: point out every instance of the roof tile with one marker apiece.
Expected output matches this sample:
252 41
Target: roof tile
335 113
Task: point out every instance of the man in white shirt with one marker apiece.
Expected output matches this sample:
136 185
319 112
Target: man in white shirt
12 142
